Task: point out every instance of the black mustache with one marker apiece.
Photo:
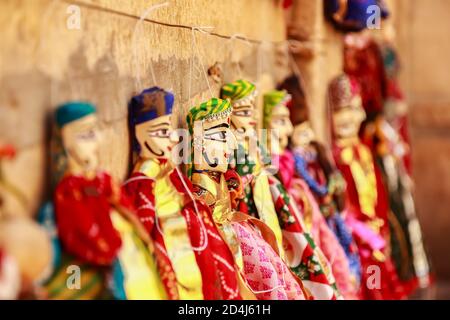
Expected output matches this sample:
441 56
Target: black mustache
236 128
152 151
211 164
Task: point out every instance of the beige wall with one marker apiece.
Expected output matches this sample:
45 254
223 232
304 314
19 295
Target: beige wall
43 63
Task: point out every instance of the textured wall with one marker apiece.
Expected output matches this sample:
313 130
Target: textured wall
43 63
322 59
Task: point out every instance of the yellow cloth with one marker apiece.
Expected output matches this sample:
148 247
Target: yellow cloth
142 281
266 209
363 173
168 207
262 198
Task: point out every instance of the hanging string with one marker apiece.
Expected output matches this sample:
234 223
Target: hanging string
303 86
138 31
194 47
260 58
298 73
231 41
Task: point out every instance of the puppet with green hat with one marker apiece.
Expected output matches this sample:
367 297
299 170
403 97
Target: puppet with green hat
251 241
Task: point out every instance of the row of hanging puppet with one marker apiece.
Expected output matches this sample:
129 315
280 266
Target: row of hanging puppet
233 224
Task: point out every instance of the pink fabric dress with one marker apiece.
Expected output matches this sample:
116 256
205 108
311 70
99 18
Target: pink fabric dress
265 273
318 227
252 242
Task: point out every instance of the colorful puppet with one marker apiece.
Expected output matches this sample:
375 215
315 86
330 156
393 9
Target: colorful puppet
96 229
247 160
193 260
251 241
395 107
367 205
308 218
394 129
383 101
355 15
318 171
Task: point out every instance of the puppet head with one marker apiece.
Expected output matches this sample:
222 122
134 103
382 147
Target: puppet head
347 112
277 118
77 122
303 133
242 95
150 116
212 140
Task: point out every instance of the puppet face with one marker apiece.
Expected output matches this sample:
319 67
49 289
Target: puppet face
81 142
303 135
281 125
217 144
157 138
243 119
347 122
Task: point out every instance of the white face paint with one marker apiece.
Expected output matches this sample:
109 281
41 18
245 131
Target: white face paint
157 138
281 125
218 145
81 141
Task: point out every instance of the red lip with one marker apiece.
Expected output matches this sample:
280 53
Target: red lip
253 123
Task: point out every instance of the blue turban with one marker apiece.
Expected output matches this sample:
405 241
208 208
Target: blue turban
150 104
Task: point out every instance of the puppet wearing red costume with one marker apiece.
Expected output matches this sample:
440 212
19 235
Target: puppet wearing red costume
385 132
367 204
94 225
193 260
252 242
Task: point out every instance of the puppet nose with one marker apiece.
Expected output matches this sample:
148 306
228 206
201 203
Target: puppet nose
231 141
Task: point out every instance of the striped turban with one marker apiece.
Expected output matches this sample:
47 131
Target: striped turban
238 92
208 111
273 99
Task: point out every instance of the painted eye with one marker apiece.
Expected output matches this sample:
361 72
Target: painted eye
87 135
217 136
162 133
243 113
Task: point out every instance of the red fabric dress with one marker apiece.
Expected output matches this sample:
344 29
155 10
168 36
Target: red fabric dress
85 227
215 261
370 229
